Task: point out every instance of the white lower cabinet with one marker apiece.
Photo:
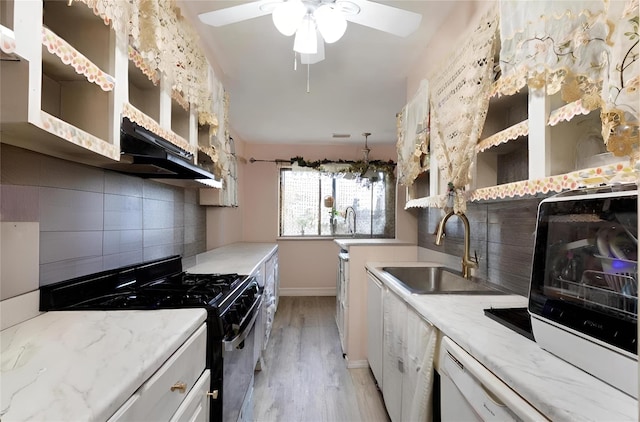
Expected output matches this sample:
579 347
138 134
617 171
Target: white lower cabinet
374 323
401 350
195 407
342 299
161 396
417 380
394 329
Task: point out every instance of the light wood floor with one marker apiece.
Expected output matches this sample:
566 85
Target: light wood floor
304 377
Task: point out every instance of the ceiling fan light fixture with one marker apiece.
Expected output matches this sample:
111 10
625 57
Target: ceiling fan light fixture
306 41
314 58
288 16
331 23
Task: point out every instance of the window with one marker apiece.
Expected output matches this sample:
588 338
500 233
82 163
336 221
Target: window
313 203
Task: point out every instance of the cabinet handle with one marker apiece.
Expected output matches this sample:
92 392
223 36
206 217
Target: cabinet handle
213 395
180 386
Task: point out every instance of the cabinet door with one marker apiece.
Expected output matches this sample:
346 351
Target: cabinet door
374 322
418 364
395 326
161 395
195 407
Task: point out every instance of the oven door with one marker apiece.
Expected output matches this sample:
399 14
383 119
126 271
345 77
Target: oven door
238 366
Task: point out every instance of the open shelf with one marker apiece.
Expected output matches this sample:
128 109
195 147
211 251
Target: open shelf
180 121
420 187
621 172
504 136
504 163
144 93
81 28
505 112
72 98
204 138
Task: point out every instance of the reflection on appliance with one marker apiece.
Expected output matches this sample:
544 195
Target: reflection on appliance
232 303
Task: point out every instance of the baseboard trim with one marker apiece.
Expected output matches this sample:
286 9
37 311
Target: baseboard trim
354 364
327 291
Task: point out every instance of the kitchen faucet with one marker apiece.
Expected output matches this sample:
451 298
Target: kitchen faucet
467 261
346 219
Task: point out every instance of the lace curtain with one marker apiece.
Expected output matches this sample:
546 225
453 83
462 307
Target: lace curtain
166 43
169 44
620 94
587 50
459 102
413 136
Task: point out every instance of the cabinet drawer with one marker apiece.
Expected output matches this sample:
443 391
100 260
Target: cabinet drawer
155 400
195 407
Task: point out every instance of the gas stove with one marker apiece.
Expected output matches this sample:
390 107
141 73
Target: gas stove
232 301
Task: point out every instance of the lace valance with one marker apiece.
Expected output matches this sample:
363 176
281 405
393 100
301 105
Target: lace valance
550 42
588 50
459 103
413 136
620 114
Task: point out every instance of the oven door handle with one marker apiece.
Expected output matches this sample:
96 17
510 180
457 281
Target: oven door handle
231 345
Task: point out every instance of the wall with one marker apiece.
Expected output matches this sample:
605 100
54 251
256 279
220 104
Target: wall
92 219
306 266
502 235
224 224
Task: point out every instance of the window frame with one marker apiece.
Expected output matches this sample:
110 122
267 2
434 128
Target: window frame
318 222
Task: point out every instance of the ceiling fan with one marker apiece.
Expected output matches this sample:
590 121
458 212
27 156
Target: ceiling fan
315 22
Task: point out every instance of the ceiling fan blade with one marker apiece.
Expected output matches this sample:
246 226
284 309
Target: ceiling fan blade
238 13
384 18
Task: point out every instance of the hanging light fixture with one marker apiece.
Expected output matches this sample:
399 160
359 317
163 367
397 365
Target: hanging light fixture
331 23
368 173
306 41
306 20
287 16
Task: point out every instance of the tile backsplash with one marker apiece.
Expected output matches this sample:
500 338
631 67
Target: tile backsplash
502 236
93 219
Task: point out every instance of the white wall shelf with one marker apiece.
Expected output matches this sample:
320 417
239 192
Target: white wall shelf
68 79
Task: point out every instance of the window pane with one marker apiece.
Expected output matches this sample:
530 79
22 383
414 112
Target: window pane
371 205
325 215
299 200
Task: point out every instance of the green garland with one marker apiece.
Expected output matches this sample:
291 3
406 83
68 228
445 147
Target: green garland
388 167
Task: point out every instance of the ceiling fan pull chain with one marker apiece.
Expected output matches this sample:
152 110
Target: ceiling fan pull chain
308 67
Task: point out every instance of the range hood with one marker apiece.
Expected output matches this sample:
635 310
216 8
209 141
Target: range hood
148 155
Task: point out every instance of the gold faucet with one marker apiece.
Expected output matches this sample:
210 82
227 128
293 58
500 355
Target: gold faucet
467 261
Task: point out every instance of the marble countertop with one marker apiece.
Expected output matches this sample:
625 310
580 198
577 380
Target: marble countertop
242 258
84 365
345 243
556 388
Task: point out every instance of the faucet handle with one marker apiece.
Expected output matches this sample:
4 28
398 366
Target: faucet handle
471 261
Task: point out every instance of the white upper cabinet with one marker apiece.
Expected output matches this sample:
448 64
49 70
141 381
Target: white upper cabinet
534 141
58 87
71 72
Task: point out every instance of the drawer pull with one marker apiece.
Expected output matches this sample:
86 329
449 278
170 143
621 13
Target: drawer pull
180 386
213 395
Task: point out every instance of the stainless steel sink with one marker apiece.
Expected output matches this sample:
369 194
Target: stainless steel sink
438 280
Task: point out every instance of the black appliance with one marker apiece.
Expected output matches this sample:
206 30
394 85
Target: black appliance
148 155
232 301
516 319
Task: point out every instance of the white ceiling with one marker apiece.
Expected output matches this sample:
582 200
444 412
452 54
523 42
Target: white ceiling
359 87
